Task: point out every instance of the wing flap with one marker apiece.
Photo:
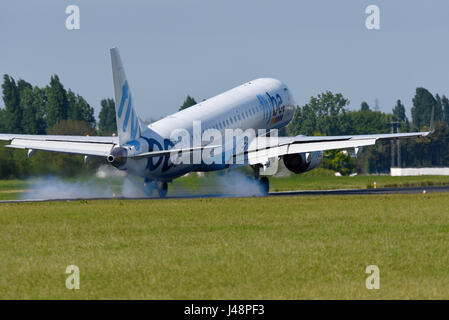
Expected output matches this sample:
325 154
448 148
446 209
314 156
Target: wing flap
382 136
92 139
329 145
263 155
82 148
261 149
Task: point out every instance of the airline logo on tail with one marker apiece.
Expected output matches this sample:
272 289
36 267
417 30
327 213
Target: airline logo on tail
130 121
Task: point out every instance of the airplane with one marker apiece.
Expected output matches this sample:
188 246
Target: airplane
154 153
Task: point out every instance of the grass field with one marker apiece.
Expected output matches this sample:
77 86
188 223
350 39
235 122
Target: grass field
242 248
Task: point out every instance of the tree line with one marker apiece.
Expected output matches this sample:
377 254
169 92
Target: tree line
52 109
328 114
33 110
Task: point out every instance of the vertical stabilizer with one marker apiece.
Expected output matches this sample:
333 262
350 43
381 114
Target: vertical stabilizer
128 124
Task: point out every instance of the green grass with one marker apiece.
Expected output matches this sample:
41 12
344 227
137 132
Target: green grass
7 185
244 248
298 182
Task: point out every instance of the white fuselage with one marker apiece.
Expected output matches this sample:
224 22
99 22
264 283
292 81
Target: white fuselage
259 104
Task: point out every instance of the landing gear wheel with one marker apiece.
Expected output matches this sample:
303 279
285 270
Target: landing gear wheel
162 189
148 187
265 183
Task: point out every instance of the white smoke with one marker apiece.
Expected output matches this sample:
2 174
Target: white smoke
107 171
108 182
132 187
56 188
105 184
236 183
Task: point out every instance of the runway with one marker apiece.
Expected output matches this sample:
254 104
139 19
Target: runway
340 192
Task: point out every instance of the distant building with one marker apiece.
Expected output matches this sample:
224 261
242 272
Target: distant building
419 172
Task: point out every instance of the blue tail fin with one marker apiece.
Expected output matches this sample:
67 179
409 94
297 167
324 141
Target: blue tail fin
128 123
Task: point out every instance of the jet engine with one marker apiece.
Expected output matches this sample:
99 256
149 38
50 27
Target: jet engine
302 162
118 157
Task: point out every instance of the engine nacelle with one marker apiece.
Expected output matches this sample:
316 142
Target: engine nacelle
302 162
118 157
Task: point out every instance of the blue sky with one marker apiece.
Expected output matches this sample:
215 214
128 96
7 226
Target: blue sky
174 48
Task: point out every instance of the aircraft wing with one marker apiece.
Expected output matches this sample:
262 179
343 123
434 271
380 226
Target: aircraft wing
82 145
261 149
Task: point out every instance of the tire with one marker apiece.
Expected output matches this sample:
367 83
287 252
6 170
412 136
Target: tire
162 189
265 183
148 188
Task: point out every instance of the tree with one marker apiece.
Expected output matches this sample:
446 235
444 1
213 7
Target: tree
32 119
323 115
365 122
399 111
73 111
340 161
364 106
72 127
107 124
438 116
57 103
13 110
423 102
3 121
445 103
187 103
79 109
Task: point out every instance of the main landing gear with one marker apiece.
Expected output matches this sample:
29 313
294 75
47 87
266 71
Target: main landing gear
265 184
149 186
263 181
162 189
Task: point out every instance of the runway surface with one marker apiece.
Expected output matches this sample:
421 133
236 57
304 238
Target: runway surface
341 192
